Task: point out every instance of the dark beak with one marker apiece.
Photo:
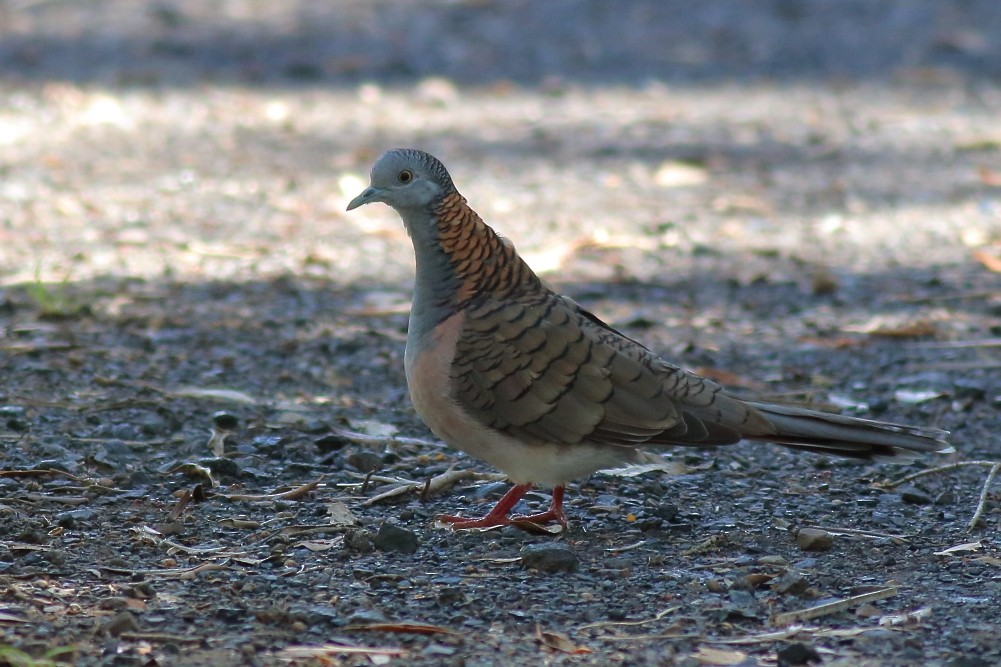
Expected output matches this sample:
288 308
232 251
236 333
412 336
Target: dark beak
367 197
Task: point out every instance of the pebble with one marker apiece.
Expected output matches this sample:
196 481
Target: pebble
966 388
867 610
945 498
367 617
359 540
797 654
969 661
548 559
365 461
70 518
438 650
393 538
814 539
120 623
791 583
113 603
222 466
773 560
913 496
225 421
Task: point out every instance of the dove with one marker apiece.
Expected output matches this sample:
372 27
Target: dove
512 373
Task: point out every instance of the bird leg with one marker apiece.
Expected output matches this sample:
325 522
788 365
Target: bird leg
498 516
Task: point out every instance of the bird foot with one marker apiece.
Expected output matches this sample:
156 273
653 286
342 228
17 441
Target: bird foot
498 516
463 523
526 521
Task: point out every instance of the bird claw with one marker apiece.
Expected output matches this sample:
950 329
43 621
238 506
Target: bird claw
498 516
532 523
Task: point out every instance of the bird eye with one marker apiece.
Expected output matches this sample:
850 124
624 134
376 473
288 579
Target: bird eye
406 176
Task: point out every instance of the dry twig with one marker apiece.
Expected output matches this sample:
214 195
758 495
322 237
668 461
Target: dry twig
435 484
292 494
995 467
833 607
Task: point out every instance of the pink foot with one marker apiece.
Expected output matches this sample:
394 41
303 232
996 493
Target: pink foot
498 516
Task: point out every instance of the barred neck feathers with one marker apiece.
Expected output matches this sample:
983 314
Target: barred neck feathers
481 263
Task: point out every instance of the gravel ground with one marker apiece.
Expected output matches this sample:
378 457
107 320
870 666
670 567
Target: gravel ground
801 198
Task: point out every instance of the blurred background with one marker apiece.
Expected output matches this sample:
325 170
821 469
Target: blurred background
799 198
608 139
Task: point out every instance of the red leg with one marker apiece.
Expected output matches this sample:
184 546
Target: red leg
554 513
498 516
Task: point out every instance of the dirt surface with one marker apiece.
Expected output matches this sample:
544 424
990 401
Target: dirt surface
802 198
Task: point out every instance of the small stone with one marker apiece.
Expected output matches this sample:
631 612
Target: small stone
113 603
70 519
814 539
367 617
359 540
867 610
331 443
945 498
913 496
791 583
548 559
221 466
451 596
225 421
121 623
365 461
967 388
394 538
969 661
773 560
797 654
439 650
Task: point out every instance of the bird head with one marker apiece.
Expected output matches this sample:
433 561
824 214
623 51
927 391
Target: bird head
405 179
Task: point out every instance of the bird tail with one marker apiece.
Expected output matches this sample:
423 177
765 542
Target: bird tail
824 433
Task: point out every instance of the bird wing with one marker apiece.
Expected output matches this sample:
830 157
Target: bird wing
541 369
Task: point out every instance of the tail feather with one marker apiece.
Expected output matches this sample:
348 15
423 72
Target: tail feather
798 428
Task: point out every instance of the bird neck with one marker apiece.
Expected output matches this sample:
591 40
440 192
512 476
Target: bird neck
460 259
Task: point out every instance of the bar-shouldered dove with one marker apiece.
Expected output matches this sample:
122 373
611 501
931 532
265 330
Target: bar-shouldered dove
510 372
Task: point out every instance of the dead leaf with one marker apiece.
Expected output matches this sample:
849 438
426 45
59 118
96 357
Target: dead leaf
558 642
227 395
714 656
340 515
915 396
135 604
321 545
915 616
195 471
374 428
244 524
909 330
670 467
968 546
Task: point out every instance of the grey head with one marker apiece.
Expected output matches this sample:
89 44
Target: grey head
406 179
